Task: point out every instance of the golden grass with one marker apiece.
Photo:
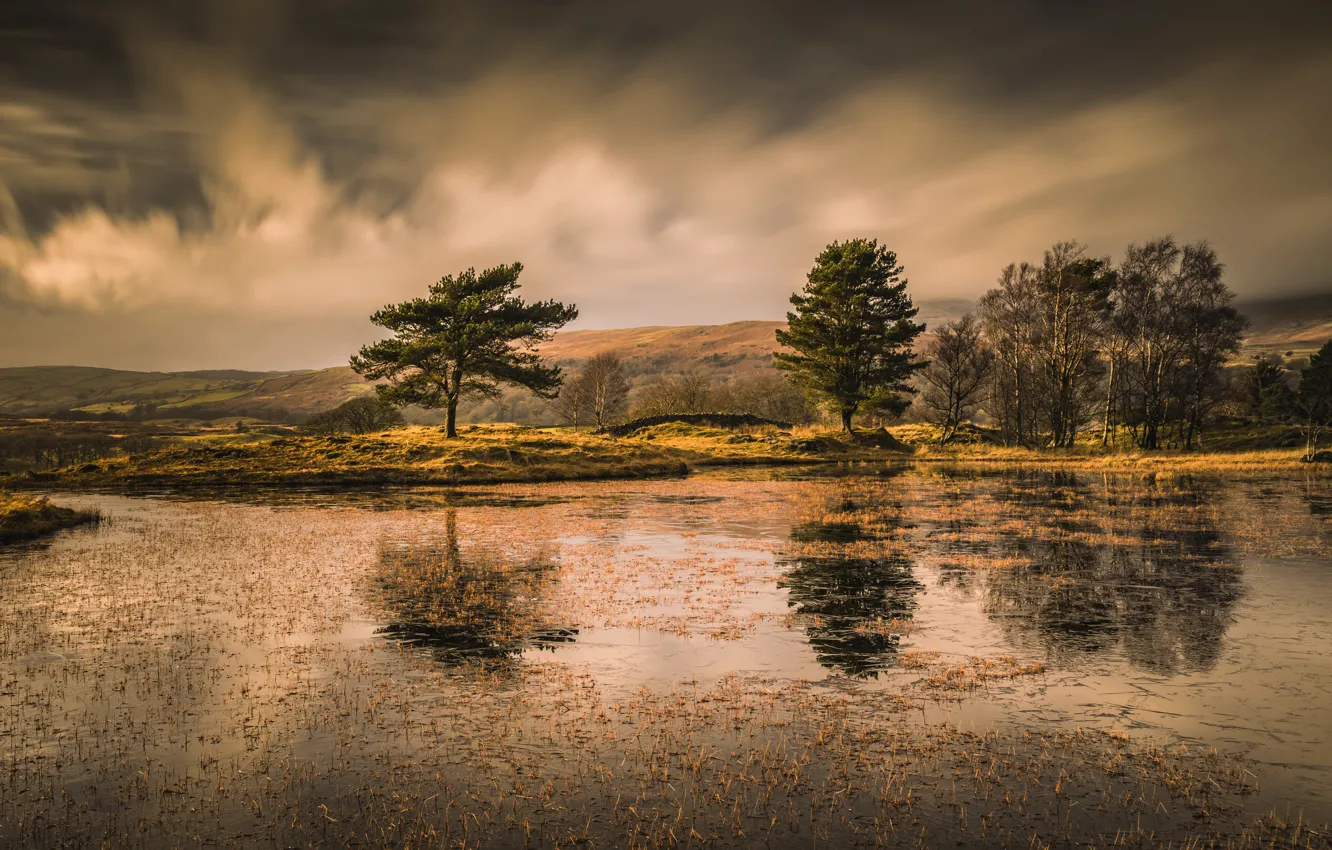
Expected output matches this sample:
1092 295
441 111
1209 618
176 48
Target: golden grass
483 454
418 455
25 517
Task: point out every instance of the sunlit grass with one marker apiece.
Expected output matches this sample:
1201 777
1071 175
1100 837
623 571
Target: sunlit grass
24 517
417 455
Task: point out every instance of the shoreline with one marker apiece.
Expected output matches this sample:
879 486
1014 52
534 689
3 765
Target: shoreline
500 454
24 517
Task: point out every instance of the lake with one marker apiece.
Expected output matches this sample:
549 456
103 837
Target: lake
912 655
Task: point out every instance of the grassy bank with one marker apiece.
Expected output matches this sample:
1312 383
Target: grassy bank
511 454
418 455
25 517
700 445
1238 446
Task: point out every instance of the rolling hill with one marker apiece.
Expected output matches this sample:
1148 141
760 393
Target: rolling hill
1297 325
1288 327
45 390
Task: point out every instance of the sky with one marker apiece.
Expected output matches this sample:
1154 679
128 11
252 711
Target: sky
240 183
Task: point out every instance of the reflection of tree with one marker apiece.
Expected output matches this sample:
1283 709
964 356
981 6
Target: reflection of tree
848 586
1128 571
478 606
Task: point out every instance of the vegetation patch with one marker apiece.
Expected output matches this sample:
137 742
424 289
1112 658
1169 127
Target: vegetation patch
417 455
25 517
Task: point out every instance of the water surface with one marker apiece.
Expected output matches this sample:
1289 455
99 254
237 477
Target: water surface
497 645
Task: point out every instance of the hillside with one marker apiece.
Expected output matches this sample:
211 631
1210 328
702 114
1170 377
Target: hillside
728 349
1288 327
1296 325
45 390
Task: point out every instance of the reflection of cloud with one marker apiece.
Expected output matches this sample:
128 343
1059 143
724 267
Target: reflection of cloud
647 195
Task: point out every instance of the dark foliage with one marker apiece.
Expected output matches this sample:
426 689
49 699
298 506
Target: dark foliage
365 415
851 332
467 338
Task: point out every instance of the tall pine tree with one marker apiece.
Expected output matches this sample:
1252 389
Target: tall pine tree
852 332
468 337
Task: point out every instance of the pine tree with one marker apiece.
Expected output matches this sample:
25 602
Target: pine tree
852 332
467 338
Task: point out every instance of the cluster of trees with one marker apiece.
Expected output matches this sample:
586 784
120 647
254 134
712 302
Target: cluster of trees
42 448
1057 348
364 415
598 395
1075 342
1266 393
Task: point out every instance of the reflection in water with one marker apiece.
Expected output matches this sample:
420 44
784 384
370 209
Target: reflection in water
1145 571
477 606
853 591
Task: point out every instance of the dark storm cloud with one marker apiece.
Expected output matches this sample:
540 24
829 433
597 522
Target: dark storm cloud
278 170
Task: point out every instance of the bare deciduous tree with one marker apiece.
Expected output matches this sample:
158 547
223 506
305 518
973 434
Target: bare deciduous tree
687 393
572 404
607 387
955 380
364 415
1005 313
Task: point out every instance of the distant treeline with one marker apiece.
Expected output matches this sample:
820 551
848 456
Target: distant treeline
24 449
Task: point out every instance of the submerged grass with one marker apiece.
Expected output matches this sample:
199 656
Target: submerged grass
25 517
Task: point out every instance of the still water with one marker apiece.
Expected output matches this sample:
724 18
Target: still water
904 656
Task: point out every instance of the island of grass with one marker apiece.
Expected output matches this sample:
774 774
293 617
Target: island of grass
25 517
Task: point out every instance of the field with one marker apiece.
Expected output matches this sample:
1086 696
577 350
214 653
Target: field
416 455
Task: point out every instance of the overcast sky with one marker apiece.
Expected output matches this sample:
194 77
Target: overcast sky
240 183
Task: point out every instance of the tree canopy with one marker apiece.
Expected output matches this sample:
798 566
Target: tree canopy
1315 398
469 336
852 331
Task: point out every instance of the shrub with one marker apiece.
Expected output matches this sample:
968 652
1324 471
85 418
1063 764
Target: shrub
364 415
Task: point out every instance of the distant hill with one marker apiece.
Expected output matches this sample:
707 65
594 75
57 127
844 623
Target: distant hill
733 349
281 396
1294 327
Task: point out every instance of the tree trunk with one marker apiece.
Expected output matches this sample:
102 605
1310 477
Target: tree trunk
846 419
451 420
1109 405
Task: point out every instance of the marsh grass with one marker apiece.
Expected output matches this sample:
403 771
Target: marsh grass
24 517
484 454
417 455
